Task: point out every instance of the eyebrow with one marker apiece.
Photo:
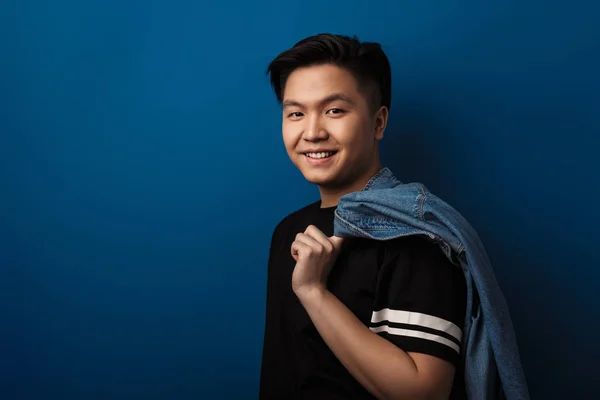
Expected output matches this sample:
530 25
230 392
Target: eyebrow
329 99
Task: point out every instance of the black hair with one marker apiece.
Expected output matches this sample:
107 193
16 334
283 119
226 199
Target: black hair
365 60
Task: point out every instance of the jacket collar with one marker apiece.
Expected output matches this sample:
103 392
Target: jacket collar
384 179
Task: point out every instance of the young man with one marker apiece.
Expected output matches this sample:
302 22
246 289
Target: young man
351 318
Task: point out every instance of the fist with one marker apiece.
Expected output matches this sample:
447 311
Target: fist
315 254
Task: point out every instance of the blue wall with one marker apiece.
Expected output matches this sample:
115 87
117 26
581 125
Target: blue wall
142 172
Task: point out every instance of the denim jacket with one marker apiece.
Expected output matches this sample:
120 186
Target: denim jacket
387 209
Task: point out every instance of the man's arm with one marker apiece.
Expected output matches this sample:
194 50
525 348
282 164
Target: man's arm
380 366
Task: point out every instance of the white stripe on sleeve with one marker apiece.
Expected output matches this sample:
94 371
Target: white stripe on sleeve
417 320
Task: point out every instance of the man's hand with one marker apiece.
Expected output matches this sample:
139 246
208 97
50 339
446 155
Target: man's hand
315 255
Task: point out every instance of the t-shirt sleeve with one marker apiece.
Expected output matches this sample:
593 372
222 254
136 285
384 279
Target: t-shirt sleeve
420 299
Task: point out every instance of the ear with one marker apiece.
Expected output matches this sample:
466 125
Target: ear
381 119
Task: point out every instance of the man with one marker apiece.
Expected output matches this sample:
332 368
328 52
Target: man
351 318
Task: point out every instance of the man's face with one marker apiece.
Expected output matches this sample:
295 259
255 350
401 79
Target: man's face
329 129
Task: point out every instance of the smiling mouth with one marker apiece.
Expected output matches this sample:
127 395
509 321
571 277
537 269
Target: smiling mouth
321 155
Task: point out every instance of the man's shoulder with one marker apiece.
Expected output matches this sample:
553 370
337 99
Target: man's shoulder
414 245
421 251
413 242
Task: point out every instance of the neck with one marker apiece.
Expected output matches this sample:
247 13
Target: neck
331 196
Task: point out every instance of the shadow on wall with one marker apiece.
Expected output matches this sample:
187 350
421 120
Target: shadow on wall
425 144
414 141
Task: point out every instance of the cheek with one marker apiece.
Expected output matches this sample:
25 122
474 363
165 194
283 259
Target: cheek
350 135
289 139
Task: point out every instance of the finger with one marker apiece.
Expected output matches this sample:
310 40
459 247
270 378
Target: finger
309 240
337 242
319 236
298 248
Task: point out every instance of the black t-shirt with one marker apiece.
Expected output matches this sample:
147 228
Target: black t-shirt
404 289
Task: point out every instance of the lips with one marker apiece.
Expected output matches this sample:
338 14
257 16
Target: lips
319 152
320 158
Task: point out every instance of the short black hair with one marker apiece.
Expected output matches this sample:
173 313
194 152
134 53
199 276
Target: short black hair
365 60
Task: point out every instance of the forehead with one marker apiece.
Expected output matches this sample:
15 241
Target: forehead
319 81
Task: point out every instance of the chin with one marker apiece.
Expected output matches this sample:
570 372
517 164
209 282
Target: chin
320 178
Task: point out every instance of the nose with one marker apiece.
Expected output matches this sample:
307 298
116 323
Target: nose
314 130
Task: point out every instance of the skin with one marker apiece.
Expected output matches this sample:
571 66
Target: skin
325 108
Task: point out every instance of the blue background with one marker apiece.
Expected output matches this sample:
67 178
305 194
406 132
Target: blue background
142 172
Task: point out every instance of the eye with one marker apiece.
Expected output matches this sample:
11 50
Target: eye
335 111
295 114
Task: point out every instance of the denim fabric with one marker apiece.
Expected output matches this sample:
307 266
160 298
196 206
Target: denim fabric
387 209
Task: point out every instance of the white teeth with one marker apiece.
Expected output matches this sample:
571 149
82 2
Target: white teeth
320 155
